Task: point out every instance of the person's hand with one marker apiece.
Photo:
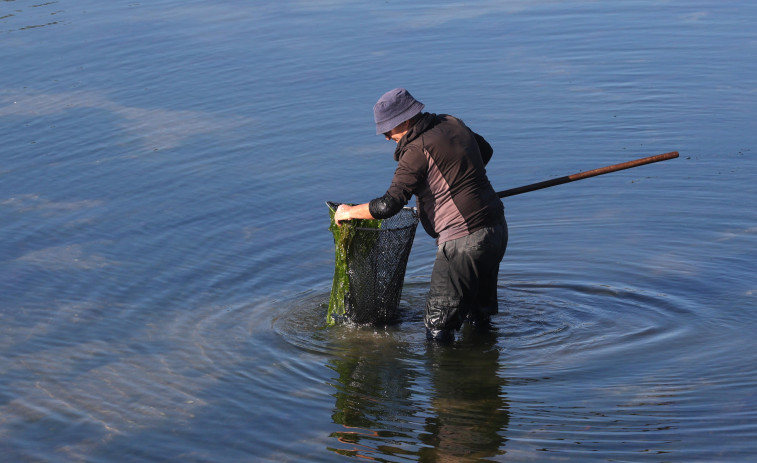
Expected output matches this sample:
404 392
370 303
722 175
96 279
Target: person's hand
342 213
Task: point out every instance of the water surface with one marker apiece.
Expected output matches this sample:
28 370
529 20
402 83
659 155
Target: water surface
165 259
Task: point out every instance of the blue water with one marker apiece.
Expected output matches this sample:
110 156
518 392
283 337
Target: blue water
165 259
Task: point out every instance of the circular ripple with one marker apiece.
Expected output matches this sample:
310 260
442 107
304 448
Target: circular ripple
534 315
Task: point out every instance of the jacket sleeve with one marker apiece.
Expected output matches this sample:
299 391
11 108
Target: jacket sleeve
408 177
486 149
384 207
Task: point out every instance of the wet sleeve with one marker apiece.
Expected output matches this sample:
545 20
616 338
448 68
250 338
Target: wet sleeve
384 207
486 149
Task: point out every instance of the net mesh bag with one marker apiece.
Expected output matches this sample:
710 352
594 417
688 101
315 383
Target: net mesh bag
371 257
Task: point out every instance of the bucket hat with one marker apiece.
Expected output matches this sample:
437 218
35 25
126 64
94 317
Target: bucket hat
393 108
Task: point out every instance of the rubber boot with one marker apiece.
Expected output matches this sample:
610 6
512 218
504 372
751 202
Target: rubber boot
440 336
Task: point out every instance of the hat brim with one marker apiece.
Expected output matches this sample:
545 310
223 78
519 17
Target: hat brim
412 110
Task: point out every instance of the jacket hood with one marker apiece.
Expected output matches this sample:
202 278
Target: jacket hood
426 121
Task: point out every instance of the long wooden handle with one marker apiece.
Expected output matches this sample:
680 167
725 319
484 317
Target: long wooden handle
587 174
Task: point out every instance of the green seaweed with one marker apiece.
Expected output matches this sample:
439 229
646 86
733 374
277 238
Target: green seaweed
343 236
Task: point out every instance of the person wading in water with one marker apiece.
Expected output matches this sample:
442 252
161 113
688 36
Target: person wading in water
442 162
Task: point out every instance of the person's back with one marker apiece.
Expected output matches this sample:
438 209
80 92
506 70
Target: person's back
442 162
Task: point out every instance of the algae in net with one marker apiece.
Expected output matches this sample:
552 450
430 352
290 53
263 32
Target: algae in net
371 256
343 238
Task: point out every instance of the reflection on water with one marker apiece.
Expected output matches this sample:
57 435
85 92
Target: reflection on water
470 413
568 368
442 404
373 392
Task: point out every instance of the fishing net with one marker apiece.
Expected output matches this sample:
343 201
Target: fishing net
371 256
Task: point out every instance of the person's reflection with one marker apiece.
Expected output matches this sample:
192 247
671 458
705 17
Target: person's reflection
470 413
382 390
